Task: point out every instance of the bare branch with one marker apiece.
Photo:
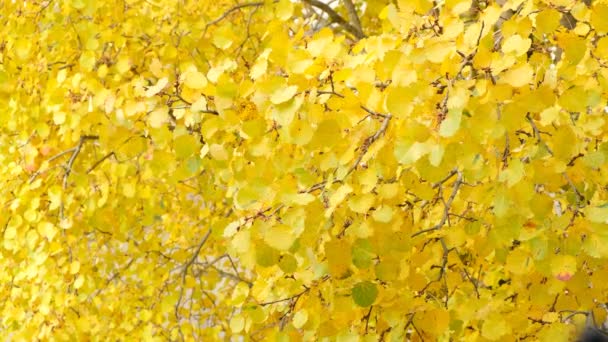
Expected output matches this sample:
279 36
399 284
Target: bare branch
230 10
352 15
537 133
443 269
447 205
369 141
100 161
296 296
75 153
70 164
186 267
579 197
336 18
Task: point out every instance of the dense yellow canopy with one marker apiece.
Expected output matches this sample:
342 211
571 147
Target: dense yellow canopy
302 170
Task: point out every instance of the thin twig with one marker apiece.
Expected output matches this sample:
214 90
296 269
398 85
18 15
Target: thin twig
230 10
367 316
579 196
286 299
100 161
537 133
572 314
70 164
185 271
446 207
368 142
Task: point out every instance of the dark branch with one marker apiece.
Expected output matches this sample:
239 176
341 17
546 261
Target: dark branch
336 18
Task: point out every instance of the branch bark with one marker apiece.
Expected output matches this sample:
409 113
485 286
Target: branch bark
337 18
353 17
447 205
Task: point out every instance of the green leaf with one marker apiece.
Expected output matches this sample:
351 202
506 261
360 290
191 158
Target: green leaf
266 256
365 293
362 253
288 263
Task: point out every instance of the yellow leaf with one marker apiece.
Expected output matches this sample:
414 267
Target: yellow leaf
458 98
241 241
547 21
300 199
451 124
597 214
300 318
283 113
259 68
601 49
339 195
283 94
599 13
551 317
563 266
237 323
158 117
518 76
31 237
232 228
223 38
156 67
383 214
494 327
218 152
23 48
284 9
79 282
574 99
195 80
361 203
74 267
516 45
10 232
58 118
123 64
338 257
549 115
155 89
438 52
47 230
280 237
327 134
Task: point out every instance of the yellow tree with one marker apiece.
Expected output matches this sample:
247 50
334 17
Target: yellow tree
302 170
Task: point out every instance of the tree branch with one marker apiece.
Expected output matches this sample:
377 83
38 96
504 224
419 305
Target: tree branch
68 168
447 205
100 161
230 10
185 271
368 142
336 18
352 15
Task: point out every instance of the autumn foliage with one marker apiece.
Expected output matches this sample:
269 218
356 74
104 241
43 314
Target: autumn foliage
294 170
